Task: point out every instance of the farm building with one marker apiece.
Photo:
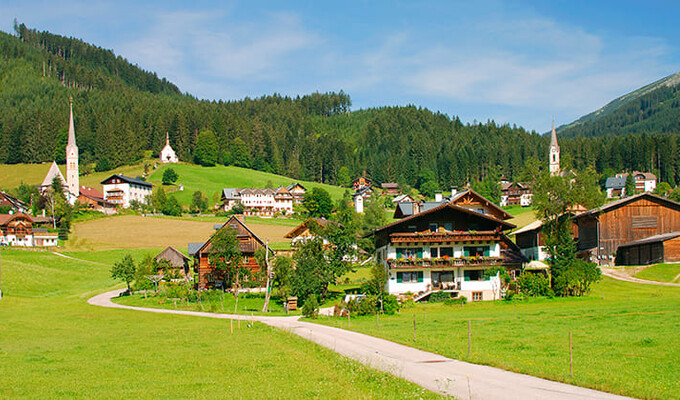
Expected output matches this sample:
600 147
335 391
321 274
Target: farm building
298 192
178 261
390 188
468 199
361 183
13 203
94 200
259 202
652 250
446 248
516 194
304 232
602 230
616 185
249 243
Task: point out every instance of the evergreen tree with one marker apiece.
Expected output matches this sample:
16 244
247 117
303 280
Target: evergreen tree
206 149
630 185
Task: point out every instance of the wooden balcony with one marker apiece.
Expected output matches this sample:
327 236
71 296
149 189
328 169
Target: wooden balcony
411 263
446 236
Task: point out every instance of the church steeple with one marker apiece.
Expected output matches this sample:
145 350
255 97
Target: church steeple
554 152
72 176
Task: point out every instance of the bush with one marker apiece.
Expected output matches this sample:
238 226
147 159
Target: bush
455 301
576 279
438 297
534 284
311 307
390 304
169 176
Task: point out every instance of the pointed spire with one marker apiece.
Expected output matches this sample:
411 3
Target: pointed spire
167 139
553 137
71 127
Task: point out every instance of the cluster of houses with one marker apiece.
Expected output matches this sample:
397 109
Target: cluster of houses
263 202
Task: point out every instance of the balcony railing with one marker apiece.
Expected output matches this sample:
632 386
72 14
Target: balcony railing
443 262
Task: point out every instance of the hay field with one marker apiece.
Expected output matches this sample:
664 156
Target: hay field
132 231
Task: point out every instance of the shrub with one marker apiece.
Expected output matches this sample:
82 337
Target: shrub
534 284
454 301
576 279
311 307
390 304
438 297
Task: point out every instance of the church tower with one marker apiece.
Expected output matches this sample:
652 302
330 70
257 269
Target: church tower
72 178
554 153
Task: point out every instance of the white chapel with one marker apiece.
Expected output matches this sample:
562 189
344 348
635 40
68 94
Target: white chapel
168 154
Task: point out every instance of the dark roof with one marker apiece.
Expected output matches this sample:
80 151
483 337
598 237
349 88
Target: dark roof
230 194
127 179
13 201
442 206
193 248
619 203
652 239
616 182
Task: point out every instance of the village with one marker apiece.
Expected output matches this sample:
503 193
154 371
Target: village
192 205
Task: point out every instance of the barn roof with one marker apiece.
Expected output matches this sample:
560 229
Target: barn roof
173 255
622 202
652 239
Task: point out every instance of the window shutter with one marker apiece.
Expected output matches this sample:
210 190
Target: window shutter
420 276
467 276
399 252
400 276
487 251
466 252
419 252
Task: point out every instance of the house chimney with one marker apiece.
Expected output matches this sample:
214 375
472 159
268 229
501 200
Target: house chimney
438 196
454 190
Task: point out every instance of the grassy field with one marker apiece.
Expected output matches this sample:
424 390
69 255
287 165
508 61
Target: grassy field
661 273
54 345
133 231
33 174
624 336
211 180
523 216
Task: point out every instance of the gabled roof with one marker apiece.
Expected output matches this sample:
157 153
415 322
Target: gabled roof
307 225
531 227
389 185
404 209
443 206
51 173
616 182
193 248
7 218
174 256
91 193
13 201
292 185
249 232
127 179
458 196
622 202
401 198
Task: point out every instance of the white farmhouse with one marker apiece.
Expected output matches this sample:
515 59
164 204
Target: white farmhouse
121 190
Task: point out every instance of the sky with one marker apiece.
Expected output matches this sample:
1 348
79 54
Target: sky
519 62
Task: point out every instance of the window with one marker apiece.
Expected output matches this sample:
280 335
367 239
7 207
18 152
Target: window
448 226
446 252
476 251
474 275
409 277
476 296
434 252
409 252
433 227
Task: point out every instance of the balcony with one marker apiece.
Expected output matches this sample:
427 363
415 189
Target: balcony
411 263
445 236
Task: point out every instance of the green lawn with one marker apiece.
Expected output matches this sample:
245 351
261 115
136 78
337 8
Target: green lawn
211 180
54 345
624 336
522 216
661 273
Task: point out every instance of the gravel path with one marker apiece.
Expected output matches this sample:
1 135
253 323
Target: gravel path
431 371
622 276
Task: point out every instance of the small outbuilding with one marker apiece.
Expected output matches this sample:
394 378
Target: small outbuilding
652 250
176 260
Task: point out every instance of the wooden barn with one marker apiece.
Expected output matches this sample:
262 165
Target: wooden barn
602 230
652 250
178 261
249 243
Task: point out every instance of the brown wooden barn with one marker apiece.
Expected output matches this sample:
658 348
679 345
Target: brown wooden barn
652 250
177 260
249 243
602 230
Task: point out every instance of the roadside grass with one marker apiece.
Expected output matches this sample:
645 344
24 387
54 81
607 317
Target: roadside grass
54 345
661 273
624 336
133 231
211 180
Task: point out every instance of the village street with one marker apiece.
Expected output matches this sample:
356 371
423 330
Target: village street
434 372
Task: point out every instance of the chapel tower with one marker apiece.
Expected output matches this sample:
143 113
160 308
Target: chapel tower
554 153
72 178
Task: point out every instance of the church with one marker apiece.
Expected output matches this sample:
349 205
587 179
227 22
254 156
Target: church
168 154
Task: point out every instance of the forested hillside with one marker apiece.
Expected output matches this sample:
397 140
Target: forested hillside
122 111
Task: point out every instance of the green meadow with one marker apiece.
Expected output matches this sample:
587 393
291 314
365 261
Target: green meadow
211 180
624 335
661 273
54 345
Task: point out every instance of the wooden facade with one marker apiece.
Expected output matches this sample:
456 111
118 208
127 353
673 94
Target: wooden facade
249 243
652 250
604 229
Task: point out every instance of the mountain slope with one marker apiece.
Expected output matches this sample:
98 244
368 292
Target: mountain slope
653 109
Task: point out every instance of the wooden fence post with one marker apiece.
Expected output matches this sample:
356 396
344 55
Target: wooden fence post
377 321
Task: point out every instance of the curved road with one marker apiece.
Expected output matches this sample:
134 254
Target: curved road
622 276
431 371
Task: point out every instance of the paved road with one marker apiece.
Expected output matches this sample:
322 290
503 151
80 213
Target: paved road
622 276
434 372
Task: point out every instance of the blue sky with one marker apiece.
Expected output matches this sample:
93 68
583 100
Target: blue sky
520 62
